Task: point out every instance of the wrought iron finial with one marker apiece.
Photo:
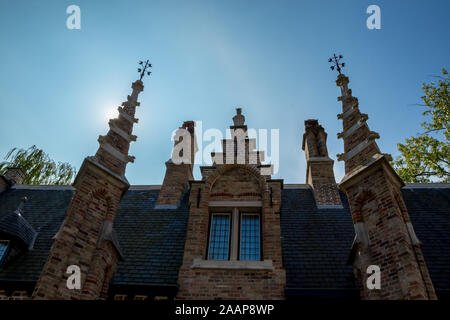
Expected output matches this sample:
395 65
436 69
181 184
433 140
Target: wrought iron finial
335 60
143 69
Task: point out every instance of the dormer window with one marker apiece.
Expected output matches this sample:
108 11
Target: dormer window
235 235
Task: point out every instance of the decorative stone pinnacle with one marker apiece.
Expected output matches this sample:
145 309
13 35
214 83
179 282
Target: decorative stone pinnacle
239 119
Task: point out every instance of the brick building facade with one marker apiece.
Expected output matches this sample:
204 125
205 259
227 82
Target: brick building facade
234 234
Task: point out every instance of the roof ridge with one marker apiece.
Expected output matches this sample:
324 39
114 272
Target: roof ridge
67 187
42 187
145 187
426 185
296 186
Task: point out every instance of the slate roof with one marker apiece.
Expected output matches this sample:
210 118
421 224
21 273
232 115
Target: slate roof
316 242
16 226
152 241
429 210
45 211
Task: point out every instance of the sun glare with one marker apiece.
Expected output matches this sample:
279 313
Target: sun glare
111 113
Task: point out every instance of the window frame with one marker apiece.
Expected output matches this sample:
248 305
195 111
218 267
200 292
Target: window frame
230 228
235 230
241 214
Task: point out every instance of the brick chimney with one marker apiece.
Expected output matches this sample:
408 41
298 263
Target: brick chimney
179 167
15 175
319 167
12 176
385 236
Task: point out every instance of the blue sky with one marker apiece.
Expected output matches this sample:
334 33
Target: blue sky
58 87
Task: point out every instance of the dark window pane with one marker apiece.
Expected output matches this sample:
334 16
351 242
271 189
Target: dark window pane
250 237
3 247
220 237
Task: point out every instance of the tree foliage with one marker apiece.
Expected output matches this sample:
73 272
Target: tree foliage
426 157
38 167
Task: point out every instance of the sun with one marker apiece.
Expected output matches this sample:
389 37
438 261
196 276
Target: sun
110 113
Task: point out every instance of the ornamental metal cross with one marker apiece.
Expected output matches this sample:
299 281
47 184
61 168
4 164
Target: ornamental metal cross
335 59
143 70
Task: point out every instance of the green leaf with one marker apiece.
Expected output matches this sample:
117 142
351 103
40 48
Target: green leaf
39 168
426 158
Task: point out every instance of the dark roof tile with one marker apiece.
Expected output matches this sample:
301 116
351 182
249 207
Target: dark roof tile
315 242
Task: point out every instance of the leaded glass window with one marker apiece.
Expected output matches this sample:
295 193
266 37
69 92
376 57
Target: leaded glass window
250 237
219 241
3 249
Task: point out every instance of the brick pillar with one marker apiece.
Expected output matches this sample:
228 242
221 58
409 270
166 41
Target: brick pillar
86 238
179 167
384 234
319 167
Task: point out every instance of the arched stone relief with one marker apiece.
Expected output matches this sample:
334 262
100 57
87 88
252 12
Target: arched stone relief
245 178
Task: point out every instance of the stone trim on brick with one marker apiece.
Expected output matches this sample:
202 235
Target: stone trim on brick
351 109
127 116
361 122
360 147
113 151
120 132
363 171
92 163
266 265
220 171
235 204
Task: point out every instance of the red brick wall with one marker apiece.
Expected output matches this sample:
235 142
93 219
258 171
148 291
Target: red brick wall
403 276
77 243
16 295
232 182
378 212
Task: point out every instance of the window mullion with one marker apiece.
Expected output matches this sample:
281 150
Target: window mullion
234 234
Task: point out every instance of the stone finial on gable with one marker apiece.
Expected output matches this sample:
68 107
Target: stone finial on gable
239 119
